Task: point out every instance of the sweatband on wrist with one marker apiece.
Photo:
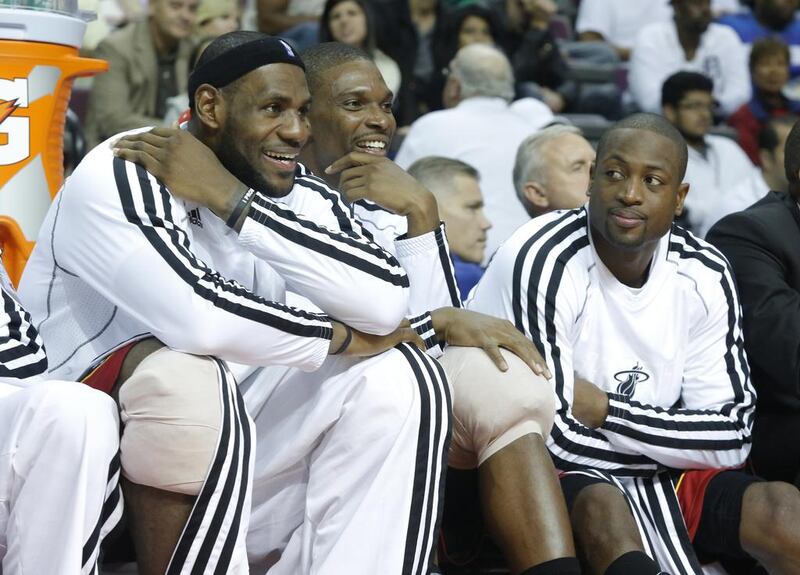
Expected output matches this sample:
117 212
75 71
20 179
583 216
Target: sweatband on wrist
347 339
244 201
234 63
423 325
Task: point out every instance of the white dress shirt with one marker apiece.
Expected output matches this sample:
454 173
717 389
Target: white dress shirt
657 54
711 177
741 196
620 20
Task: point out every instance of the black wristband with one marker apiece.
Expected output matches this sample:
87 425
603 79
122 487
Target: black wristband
347 339
244 201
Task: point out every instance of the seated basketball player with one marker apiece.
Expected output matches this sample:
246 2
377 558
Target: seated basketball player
640 324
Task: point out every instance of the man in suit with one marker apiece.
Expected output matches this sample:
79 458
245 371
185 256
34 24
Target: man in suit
762 244
148 63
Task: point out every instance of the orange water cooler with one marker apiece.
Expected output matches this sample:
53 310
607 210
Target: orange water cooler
39 41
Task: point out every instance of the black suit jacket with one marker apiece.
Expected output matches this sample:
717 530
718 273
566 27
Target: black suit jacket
763 246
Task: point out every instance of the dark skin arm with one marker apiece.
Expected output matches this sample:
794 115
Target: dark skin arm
589 36
589 404
189 168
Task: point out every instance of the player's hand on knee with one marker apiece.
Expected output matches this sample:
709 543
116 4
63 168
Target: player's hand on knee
186 166
350 342
471 329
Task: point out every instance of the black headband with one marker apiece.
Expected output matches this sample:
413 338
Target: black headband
236 62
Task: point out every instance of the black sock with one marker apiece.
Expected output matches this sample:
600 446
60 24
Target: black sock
633 562
562 566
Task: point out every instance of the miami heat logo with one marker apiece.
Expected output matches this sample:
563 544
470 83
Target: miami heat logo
630 378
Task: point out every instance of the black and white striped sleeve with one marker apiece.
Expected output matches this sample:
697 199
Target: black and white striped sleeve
345 274
426 259
528 282
22 353
711 427
141 259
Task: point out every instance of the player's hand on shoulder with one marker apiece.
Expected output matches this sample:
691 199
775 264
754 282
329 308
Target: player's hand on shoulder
186 166
380 180
472 329
589 404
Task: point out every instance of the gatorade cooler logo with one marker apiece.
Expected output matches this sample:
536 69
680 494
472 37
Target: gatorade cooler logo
15 131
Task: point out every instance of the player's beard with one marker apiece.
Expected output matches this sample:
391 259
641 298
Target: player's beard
238 165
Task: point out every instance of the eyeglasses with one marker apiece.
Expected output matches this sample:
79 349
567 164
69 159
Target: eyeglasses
697 107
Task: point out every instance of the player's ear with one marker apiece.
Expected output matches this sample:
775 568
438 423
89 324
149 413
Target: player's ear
683 189
592 169
535 193
209 106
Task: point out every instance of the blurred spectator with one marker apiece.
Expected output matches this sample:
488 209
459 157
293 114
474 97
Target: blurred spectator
716 164
618 21
351 22
768 19
178 105
536 58
472 24
551 171
769 69
458 194
761 246
216 17
481 130
294 20
427 18
111 14
148 64
770 176
690 42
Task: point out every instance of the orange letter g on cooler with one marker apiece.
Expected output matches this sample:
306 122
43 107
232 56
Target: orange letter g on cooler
15 134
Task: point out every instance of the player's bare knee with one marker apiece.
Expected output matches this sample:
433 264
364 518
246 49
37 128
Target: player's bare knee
171 416
525 395
601 518
771 511
496 408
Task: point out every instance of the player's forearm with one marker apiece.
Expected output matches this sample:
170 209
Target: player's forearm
427 262
349 278
678 437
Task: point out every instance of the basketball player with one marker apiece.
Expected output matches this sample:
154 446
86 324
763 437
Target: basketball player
640 324
348 464
59 464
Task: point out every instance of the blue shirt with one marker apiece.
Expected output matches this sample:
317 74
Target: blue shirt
749 30
467 275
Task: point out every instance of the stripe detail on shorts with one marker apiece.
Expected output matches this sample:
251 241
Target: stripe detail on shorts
219 518
431 460
110 516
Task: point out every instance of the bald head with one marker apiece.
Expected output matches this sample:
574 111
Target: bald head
649 123
483 70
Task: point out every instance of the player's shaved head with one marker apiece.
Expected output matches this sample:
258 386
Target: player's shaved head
650 123
324 57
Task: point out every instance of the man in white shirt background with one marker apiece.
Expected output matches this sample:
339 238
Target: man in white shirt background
689 42
618 21
716 163
480 129
770 175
